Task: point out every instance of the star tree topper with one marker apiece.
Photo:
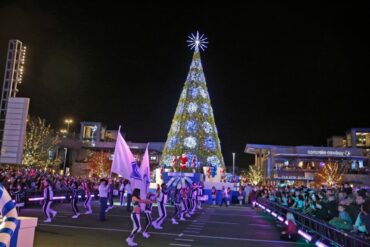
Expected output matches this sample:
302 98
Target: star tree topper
197 41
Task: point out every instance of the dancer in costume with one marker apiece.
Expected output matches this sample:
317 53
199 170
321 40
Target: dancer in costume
121 193
162 200
87 186
148 214
74 199
48 200
135 216
177 202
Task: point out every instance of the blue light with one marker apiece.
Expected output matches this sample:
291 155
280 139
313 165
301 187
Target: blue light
193 92
209 143
191 126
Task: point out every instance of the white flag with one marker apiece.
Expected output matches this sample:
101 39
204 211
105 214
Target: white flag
145 174
124 162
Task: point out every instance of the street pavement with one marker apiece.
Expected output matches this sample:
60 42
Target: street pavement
212 226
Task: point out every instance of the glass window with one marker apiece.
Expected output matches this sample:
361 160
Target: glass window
362 139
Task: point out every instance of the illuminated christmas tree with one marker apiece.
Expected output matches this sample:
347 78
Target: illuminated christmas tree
193 141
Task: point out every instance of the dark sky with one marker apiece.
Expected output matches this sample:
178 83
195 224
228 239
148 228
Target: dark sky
276 74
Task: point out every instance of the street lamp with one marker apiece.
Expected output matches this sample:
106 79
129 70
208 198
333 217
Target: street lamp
68 121
233 164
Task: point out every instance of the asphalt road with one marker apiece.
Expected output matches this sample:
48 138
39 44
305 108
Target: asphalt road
212 226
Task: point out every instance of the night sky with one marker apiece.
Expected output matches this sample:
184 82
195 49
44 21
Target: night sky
276 74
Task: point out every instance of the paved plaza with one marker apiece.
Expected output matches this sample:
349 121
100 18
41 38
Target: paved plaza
212 226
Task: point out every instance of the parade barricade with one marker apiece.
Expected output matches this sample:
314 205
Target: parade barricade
312 229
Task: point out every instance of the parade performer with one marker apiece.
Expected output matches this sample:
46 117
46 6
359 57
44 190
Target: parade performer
194 163
135 216
121 192
214 195
194 196
184 203
48 200
177 203
200 195
74 199
148 214
190 201
162 200
103 194
110 194
184 161
86 186
129 194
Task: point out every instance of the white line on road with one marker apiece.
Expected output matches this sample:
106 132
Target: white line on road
188 231
184 239
185 245
180 235
221 222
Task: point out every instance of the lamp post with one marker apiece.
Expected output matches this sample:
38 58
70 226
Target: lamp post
233 164
68 122
64 163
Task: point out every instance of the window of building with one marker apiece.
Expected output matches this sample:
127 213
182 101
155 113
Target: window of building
90 133
362 139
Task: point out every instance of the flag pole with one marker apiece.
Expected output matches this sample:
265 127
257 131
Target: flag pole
119 130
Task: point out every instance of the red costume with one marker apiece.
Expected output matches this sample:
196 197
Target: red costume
184 161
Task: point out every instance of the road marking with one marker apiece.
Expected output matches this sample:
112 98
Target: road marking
184 239
194 228
187 231
175 234
180 235
221 222
185 245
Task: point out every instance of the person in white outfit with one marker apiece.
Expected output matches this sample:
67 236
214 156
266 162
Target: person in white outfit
48 200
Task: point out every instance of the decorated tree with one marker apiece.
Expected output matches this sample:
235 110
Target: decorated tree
192 141
254 175
99 164
40 144
331 173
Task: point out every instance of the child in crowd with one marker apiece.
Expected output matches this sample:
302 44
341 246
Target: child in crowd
291 232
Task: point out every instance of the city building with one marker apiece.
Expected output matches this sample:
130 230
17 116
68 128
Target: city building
95 137
300 163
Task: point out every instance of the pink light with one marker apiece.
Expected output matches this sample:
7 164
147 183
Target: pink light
305 235
268 210
320 244
286 222
274 214
281 219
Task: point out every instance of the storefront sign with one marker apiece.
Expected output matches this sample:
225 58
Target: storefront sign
329 152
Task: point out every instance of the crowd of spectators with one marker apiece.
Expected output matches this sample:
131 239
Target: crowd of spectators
343 207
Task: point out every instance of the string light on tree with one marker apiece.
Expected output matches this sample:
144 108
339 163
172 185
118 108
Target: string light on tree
193 132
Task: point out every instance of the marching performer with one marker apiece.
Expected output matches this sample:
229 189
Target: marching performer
214 195
148 214
110 194
184 203
86 186
135 216
200 195
48 200
121 192
177 202
194 197
74 199
162 200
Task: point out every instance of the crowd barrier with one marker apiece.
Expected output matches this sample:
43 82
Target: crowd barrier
313 230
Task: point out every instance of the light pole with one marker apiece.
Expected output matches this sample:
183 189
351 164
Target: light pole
68 122
64 163
233 164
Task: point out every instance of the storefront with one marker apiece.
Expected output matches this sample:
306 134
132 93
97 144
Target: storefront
300 163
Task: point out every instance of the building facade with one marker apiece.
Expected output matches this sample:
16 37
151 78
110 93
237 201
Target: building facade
95 137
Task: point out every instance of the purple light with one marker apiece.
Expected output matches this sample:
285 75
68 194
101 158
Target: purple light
322 164
281 219
320 244
268 210
305 235
274 214
286 222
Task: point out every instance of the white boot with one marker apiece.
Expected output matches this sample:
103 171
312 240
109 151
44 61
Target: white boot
130 242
